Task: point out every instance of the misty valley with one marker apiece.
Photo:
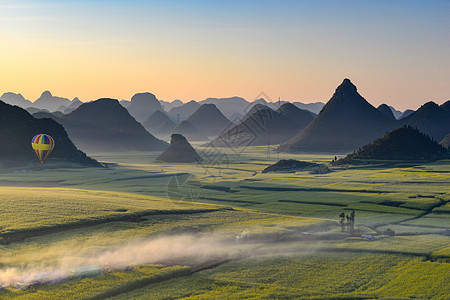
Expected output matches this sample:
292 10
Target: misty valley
223 199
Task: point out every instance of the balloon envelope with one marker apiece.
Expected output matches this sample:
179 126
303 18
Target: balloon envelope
42 145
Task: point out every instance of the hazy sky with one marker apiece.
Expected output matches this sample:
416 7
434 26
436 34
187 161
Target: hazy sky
396 52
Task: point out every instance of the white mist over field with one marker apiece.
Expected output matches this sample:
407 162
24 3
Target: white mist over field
177 249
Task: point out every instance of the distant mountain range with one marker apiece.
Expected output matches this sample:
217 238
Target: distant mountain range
46 102
166 105
18 127
105 125
345 123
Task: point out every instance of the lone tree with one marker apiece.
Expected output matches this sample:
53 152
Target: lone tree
342 216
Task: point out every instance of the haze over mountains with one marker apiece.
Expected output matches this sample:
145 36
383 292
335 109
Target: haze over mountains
263 126
345 123
143 105
209 120
189 131
105 125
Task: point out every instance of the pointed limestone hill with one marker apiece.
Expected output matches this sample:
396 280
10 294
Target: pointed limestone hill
105 125
182 112
209 120
188 130
264 126
431 119
446 142
345 123
179 151
404 143
18 127
301 117
387 111
155 120
143 105
49 102
16 99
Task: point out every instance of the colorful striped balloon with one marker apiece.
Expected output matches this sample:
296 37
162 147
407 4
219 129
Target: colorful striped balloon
42 144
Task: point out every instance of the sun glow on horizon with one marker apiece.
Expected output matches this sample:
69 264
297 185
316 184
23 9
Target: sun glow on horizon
299 51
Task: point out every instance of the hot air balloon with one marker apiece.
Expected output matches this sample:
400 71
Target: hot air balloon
43 145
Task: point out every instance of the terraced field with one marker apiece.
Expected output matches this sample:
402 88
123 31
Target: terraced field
222 229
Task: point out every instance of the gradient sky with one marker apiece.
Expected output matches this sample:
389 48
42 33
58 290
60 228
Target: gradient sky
395 52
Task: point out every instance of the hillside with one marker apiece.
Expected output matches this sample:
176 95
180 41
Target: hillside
301 117
42 114
209 120
406 113
165 129
182 112
315 107
166 105
446 141
153 122
18 127
387 111
431 119
345 123
288 166
143 105
179 151
404 143
189 131
259 128
105 125
228 106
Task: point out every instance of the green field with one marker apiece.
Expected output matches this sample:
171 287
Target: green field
222 229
